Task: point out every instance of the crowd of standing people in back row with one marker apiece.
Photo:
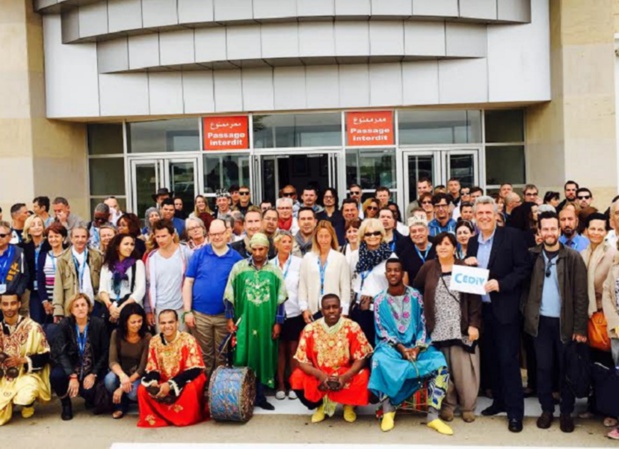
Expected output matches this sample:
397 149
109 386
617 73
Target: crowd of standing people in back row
330 302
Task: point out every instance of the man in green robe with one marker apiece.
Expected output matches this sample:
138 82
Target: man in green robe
254 299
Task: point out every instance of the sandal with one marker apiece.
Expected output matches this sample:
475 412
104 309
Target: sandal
613 434
118 414
610 422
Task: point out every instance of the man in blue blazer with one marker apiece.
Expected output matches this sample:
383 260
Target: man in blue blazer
503 252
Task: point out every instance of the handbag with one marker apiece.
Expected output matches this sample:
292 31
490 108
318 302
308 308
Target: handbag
578 368
598 332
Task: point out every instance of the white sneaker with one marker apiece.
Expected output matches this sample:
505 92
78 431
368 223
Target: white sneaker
280 395
292 395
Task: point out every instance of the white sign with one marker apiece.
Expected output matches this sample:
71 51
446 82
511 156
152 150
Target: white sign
468 279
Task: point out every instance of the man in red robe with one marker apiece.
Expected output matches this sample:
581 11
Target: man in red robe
332 355
172 390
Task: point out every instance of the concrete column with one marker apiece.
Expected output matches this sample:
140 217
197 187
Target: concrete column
37 156
574 136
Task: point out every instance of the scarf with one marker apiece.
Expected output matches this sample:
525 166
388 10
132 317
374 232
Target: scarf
369 259
119 274
285 224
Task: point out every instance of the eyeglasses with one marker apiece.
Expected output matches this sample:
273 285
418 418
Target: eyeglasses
100 219
465 193
441 206
426 202
352 192
217 234
3 236
531 194
193 228
289 193
371 208
244 193
373 234
583 197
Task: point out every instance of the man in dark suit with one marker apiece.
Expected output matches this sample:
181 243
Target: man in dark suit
503 251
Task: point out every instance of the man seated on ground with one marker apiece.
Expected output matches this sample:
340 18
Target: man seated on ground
172 390
403 357
24 361
332 355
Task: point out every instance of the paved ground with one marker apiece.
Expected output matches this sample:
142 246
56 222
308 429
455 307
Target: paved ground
47 431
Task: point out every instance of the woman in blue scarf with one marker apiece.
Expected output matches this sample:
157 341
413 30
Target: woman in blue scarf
123 278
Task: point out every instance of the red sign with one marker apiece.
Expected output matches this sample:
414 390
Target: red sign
369 128
226 133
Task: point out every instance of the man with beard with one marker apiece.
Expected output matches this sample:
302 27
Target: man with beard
569 189
555 313
569 225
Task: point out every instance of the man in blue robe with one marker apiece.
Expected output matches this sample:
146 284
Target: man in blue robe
403 358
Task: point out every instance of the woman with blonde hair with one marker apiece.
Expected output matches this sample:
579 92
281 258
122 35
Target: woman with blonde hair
34 243
201 206
370 207
368 274
323 270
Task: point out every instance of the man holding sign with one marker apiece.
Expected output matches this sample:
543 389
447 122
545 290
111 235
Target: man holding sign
503 252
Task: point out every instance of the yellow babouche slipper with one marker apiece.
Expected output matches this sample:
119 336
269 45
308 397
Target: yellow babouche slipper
319 414
349 413
27 412
440 427
388 422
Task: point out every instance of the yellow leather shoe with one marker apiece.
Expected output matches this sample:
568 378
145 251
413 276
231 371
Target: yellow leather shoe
27 412
440 427
319 414
349 413
388 422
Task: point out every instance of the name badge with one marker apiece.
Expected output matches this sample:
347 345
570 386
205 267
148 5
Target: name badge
2 289
35 285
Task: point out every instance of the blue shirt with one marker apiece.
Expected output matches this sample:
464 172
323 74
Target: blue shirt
179 225
435 227
483 256
577 242
210 273
551 297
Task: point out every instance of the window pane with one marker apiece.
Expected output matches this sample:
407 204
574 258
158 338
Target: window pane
164 136
505 126
107 176
462 167
505 164
223 170
182 183
105 139
371 168
418 127
297 130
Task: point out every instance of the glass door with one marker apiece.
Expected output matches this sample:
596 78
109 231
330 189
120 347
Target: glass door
463 165
418 165
181 177
146 178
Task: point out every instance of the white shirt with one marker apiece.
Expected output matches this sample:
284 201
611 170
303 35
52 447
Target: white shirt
84 283
291 273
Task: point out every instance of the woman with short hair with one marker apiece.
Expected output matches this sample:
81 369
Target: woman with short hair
33 243
80 355
56 235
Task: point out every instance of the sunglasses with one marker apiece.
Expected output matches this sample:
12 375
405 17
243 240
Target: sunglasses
352 192
2 236
244 193
288 193
583 197
372 208
548 267
531 194
373 234
465 193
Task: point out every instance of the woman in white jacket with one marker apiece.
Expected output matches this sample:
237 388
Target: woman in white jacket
123 277
323 270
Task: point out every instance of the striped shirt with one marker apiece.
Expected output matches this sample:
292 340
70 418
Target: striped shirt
49 269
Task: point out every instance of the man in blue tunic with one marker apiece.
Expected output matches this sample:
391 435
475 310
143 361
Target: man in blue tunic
403 358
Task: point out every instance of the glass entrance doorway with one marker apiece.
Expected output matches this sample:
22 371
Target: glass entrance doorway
277 171
439 166
179 175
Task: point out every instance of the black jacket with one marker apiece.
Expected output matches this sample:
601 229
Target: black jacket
66 354
508 264
18 275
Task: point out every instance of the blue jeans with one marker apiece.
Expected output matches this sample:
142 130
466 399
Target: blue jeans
112 382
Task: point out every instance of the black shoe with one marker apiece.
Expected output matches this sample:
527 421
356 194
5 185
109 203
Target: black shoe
545 420
515 425
566 423
265 405
492 410
67 410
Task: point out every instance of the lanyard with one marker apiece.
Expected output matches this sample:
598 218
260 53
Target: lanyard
37 251
52 258
392 245
364 275
425 254
6 263
322 269
80 270
287 265
81 339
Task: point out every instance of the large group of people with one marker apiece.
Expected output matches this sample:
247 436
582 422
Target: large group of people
329 302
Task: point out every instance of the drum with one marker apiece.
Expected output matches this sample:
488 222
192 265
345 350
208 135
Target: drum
232 392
